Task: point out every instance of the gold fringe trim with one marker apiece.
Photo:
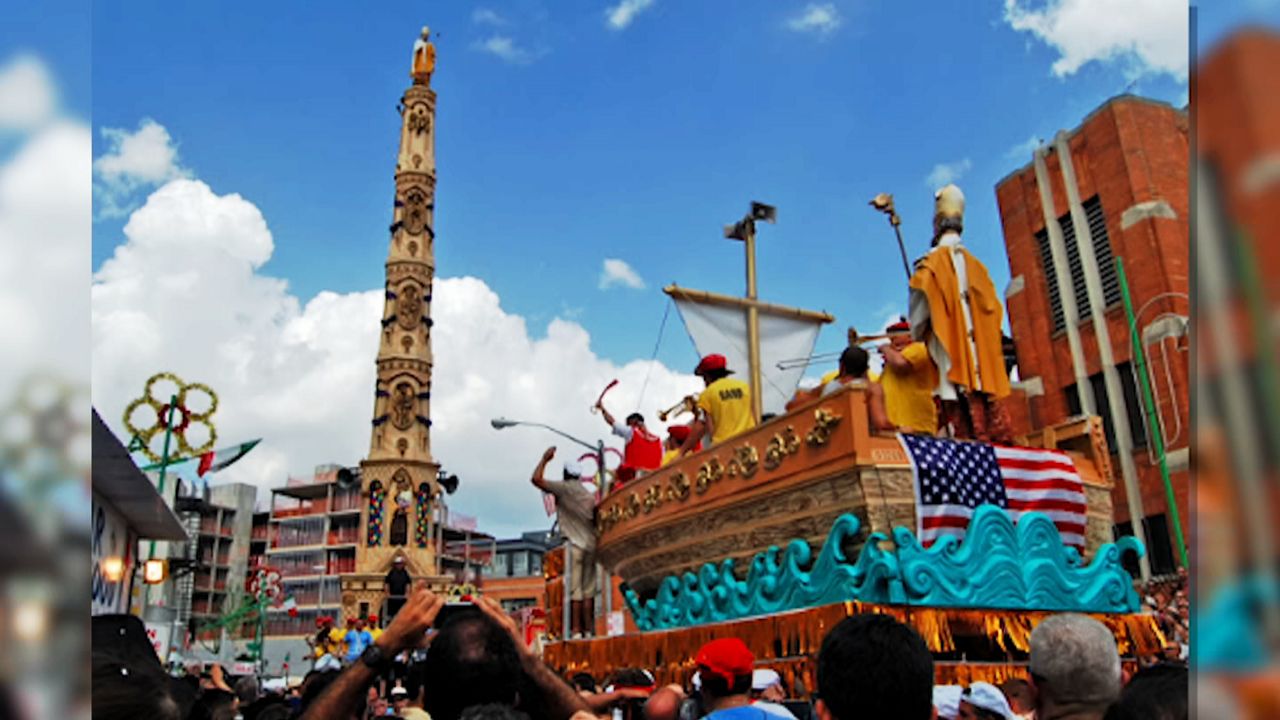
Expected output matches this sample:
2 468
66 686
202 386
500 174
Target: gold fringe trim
789 642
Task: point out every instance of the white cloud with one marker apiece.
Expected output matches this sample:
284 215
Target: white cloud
188 297
44 256
617 272
944 173
485 16
1150 35
819 18
1022 151
505 48
620 16
28 97
134 161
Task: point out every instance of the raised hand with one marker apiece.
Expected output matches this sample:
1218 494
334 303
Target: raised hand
409 628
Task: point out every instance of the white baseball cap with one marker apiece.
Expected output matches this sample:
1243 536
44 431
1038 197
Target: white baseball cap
988 697
574 468
764 679
399 690
946 700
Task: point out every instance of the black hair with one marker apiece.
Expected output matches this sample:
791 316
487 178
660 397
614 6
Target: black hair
315 685
472 661
1156 693
124 693
637 417
492 711
215 704
583 681
874 666
631 677
718 686
854 361
713 375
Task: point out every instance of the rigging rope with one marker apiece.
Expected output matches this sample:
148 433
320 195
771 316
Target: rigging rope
654 356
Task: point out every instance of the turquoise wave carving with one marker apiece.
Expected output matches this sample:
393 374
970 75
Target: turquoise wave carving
998 565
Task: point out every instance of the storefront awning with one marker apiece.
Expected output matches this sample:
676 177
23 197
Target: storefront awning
118 480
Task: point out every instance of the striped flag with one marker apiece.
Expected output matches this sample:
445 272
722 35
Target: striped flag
952 478
216 460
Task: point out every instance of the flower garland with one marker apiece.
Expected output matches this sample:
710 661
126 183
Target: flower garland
421 532
377 497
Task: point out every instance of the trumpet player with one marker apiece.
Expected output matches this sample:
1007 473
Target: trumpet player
643 449
676 435
724 407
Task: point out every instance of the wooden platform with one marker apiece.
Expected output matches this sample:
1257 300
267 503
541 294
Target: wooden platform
787 479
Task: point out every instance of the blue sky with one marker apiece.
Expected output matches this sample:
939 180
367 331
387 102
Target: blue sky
588 142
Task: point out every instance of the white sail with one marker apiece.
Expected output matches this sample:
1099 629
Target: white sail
716 328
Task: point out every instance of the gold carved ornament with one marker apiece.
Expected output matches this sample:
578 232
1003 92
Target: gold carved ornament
181 413
823 422
780 446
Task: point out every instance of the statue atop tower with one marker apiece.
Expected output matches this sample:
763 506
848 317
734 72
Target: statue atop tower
399 476
424 58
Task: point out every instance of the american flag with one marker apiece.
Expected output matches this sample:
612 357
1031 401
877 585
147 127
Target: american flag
952 478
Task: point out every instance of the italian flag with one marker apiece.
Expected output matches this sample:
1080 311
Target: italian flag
218 459
291 606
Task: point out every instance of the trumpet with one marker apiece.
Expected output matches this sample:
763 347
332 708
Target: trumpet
854 339
687 404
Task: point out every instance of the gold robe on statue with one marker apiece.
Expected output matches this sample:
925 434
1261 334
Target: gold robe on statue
935 278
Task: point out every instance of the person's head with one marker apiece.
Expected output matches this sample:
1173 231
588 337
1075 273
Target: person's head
948 211
767 685
635 420
1074 663
1155 693
573 470
472 661
399 699
874 666
676 435
583 683
247 689
121 694
359 624
853 362
398 562
725 666
314 685
492 711
351 622
899 333
712 367
216 705
373 621
984 701
1018 692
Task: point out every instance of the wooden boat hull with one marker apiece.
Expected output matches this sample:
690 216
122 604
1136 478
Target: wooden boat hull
788 479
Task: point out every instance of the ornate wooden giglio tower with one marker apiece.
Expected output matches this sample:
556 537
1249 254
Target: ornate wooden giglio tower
398 477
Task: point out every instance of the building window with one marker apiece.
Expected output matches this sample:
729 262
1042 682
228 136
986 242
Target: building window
1157 542
520 564
535 563
1132 405
1101 250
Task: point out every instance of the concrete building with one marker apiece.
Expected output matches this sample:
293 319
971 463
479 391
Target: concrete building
514 575
1116 186
219 521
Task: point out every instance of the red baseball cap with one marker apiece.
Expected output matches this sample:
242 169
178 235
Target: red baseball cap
727 657
899 327
679 433
715 361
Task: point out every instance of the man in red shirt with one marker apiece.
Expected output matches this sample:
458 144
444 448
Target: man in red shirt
643 449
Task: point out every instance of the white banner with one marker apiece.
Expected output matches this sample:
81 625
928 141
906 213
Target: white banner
723 330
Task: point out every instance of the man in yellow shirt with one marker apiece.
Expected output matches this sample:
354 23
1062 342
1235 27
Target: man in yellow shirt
909 378
724 407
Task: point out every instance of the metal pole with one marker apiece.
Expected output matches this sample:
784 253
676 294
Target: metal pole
1157 438
164 464
566 630
896 221
753 324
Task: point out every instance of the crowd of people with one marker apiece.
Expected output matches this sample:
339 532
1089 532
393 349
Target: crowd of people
1167 599
474 665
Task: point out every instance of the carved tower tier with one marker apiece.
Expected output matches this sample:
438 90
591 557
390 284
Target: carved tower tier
398 477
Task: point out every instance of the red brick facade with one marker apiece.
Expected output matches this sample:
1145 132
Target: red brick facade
1127 152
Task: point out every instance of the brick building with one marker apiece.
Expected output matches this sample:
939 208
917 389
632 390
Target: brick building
1123 194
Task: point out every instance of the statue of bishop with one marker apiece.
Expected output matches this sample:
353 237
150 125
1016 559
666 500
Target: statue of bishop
424 58
956 312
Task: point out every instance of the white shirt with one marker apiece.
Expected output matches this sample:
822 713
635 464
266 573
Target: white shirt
919 311
623 431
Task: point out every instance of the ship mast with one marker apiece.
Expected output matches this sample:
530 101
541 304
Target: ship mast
745 231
